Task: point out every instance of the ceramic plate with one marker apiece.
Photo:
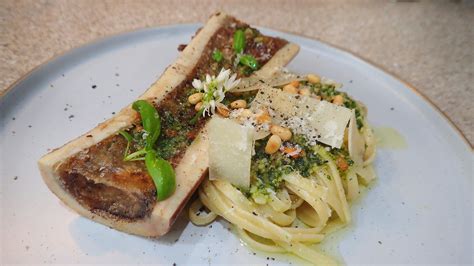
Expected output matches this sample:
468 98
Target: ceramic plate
418 211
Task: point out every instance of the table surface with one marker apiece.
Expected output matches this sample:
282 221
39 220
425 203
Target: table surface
427 44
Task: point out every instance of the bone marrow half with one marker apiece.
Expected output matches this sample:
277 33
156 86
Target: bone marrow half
89 173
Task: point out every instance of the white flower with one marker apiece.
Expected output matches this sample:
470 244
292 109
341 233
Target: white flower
214 89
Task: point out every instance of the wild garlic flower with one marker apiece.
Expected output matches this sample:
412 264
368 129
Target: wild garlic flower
214 89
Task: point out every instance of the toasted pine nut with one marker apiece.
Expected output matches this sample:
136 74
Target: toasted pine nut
195 98
295 83
198 106
273 144
263 117
223 110
282 132
317 97
305 91
338 99
290 89
237 104
313 78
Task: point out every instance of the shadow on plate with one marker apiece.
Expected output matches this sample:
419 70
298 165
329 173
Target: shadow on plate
95 239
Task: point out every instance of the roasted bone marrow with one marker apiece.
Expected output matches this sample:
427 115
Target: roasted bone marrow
90 175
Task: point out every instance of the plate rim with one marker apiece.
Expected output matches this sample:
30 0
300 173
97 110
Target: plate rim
106 38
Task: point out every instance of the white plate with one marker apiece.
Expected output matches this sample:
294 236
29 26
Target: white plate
418 211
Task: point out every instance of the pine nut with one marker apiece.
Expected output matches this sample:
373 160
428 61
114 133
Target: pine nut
282 132
313 78
295 83
273 144
223 110
338 99
198 106
195 98
237 104
290 89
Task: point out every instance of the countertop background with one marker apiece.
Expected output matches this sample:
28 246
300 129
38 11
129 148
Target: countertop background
429 44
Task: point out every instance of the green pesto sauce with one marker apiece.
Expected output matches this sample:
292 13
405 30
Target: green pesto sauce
267 170
174 137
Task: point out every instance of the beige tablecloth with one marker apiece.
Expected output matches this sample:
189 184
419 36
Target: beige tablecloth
428 44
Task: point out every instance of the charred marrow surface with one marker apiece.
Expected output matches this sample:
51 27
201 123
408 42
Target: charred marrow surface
99 178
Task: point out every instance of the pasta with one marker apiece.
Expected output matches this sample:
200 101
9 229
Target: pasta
319 200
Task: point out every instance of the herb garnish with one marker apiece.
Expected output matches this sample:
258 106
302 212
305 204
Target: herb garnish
160 170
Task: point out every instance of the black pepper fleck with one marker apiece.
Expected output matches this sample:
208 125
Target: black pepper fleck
94 86
380 242
15 178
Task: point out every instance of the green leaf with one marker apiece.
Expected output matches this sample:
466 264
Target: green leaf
135 156
194 120
239 41
217 55
162 174
250 61
150 120
129 139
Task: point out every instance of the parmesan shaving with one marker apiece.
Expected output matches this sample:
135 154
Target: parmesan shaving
230 151
320 121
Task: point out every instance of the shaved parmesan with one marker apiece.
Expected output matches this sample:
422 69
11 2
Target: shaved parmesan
230 151
279 78
356 142
319 120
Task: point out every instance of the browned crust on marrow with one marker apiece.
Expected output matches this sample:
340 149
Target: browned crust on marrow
193 164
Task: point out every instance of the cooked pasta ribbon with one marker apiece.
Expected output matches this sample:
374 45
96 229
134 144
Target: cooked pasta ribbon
301 211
